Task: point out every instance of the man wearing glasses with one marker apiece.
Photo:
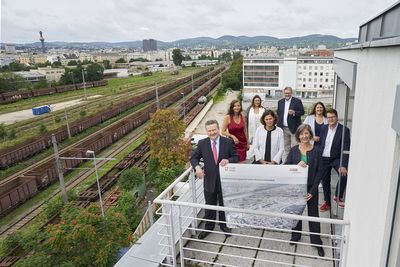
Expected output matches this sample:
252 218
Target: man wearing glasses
331 142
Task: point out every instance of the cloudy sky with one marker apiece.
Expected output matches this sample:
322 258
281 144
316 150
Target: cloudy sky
168 20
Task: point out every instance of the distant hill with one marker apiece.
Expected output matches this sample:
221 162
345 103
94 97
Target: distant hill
226 41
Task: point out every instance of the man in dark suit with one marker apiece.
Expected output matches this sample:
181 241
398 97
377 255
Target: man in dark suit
215 150
290 110
331 143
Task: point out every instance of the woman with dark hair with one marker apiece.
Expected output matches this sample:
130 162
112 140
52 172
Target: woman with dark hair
305 154
268 142
234 127
316 119
253 117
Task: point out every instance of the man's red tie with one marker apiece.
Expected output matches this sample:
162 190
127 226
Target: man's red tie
214 150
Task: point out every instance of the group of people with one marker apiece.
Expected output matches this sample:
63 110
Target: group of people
277 138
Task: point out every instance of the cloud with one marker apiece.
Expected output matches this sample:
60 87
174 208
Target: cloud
127 20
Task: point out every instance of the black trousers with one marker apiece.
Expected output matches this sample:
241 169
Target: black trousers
326 168
315 227
214 198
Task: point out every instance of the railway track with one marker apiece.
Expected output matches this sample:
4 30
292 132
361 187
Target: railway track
19 173
191 100
46 119
136 159
38 208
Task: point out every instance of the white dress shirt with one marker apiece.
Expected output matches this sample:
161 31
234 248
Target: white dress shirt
286 113
277 145
329 141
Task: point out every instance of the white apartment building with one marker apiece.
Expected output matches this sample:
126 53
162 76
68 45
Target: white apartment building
267 76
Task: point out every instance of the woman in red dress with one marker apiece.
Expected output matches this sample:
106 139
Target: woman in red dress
234 127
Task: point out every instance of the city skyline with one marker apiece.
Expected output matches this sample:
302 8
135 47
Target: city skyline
95 21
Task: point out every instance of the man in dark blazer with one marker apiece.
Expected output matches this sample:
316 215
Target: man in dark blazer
290 110
215 150
331 143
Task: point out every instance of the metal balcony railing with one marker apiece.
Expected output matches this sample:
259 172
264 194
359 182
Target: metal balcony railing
248 245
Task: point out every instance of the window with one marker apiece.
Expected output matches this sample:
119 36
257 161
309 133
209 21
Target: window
304 79
320 86
310 73
315 80
304 68
304 85
321 80
321 74
309 79
315 68
316 73
326 80
315 86
327 74
321 68
310 67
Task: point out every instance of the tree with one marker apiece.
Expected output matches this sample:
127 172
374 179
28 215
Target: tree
131 179
10 82
106 64
72 76
94 72
3 131
234 76
56 64
120 60
226 57
164 135
72 63
177 57
84 238
41 84
187 58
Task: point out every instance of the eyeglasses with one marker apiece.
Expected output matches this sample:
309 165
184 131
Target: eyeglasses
331 117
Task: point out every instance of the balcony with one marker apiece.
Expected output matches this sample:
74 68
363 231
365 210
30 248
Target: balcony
172 240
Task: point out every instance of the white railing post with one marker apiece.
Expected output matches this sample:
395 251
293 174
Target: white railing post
192 181
182 256
150 212
172 234
344 246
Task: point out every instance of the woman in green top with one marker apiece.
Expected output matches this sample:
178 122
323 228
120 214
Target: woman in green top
306 155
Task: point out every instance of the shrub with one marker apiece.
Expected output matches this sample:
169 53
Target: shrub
42 128
82 113
131 178
12 134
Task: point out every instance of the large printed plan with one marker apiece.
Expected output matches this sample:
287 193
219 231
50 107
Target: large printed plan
271 188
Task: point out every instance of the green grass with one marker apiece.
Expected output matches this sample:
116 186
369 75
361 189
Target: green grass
114 86
28 129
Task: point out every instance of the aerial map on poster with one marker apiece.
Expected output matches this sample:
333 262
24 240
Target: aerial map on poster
272 188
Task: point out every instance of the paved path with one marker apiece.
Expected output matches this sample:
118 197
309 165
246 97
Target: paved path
13 117
217 112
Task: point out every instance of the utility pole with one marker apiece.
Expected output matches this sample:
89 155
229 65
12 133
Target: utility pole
192 83
59 169
97 179
157 99
66 119
84 84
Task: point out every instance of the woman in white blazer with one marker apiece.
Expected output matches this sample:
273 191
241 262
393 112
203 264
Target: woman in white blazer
268 140
316 119
254 116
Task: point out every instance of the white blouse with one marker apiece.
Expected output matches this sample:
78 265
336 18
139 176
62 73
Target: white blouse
277 145
254 122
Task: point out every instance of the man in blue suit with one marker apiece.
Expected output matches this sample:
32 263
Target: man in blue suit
215 150
290 110
331 142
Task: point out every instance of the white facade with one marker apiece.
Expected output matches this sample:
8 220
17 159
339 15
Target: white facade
267 76
368 85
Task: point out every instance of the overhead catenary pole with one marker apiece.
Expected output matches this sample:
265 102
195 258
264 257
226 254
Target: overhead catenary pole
59 169
157 99
66 119
84 84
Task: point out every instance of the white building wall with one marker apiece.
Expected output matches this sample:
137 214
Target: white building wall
288 73
374 155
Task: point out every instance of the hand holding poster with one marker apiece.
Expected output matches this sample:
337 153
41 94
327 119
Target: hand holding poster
272 188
